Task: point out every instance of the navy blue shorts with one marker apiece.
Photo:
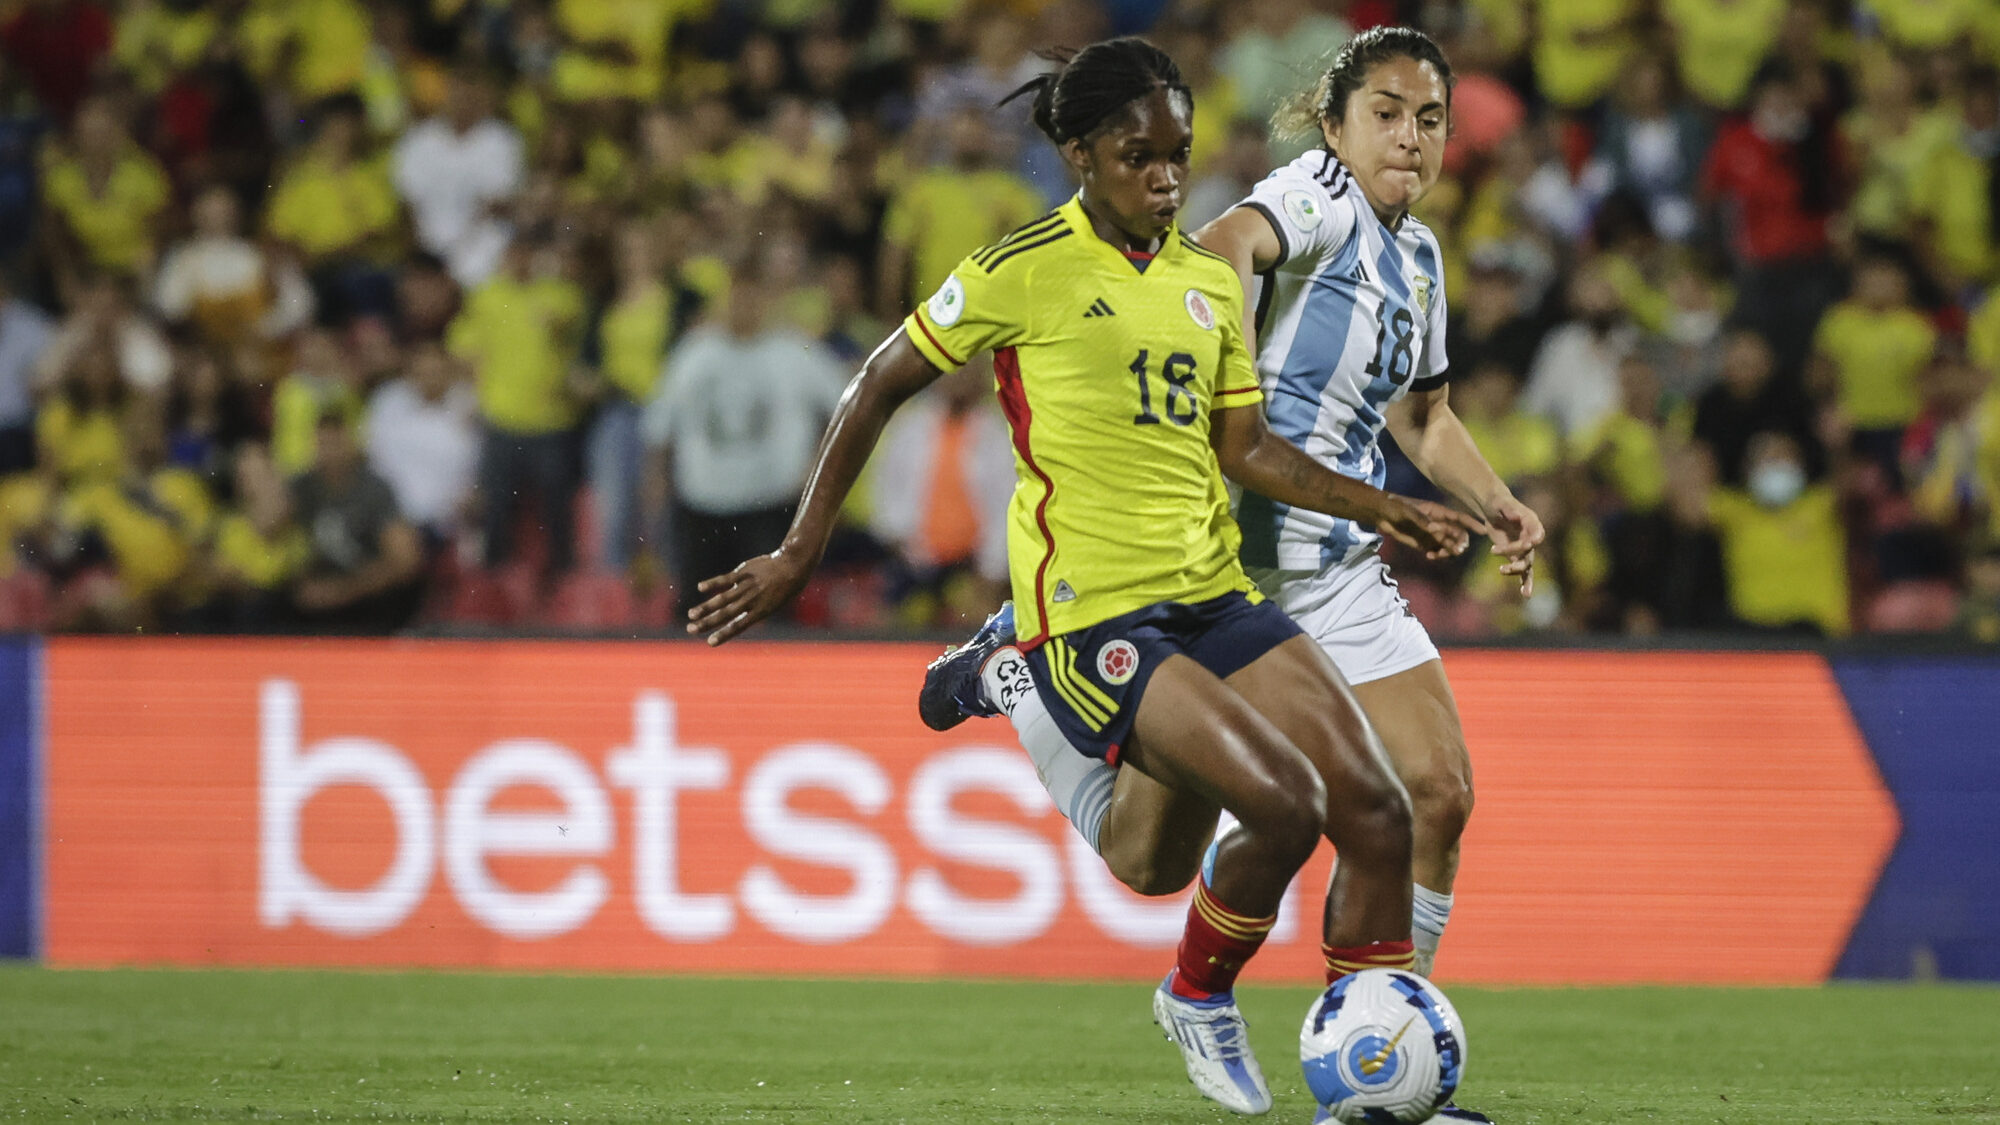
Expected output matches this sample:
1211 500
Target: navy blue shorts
1091 680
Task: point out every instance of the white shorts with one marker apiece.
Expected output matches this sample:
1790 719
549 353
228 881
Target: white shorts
1355 612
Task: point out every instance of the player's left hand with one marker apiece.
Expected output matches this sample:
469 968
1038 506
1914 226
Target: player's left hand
746 595
1516 532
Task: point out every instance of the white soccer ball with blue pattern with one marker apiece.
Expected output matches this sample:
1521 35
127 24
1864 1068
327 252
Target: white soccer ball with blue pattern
1382 1047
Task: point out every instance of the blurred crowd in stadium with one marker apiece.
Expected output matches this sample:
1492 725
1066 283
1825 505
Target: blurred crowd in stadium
354 316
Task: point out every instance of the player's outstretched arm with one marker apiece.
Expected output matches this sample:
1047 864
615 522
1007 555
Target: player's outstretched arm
1438 444
756 588
1246 238
1261 461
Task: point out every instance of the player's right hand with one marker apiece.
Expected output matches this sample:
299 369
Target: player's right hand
746 595
1439 532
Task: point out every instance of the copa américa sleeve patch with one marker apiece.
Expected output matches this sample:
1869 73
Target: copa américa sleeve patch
948 303
1302 209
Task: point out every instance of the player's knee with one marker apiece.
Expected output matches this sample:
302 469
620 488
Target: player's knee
1291 814
1441 800
1149 869
1374 822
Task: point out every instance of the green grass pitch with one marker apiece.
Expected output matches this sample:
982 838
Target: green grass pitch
314 1046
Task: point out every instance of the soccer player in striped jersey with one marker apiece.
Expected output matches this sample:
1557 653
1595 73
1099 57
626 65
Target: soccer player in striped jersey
1350 332
1125 379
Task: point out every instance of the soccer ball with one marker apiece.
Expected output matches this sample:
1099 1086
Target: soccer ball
1382 1047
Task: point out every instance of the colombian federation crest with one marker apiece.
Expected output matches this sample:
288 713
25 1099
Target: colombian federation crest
948 303
1198 308
1420 287
1118 662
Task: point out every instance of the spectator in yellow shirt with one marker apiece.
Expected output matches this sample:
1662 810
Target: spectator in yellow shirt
949 211
1783 548
614 49
323 381
1720 43
519 332
106 197
1517 444
1893 136
1951 455
136 531
255 554
629 348
1925 25
336 205
1626 451
1953 190
1581 47
319 48
1869 354
80 430
156 39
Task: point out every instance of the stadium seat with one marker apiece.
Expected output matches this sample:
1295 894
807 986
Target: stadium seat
592 601
1912 607
493 597
24 601
657 609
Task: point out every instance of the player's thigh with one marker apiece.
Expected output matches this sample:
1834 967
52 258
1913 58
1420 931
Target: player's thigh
1154 837
1416 716
1298 688
1195 734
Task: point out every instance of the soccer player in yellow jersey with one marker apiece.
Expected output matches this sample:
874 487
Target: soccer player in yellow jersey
1350 343
1125 378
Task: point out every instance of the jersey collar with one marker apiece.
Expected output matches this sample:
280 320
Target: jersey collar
1079 221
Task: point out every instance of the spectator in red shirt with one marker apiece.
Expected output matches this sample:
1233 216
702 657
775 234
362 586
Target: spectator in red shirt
57 44
1773 177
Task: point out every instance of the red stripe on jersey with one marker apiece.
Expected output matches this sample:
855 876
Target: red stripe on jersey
932 337
1014 404
1138 255
1236 391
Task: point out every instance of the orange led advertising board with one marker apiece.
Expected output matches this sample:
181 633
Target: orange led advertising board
778 808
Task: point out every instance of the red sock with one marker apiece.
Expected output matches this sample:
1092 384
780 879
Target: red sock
1215 946
1340 961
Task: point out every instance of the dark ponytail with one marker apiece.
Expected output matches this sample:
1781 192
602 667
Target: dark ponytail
1090 87
1301 114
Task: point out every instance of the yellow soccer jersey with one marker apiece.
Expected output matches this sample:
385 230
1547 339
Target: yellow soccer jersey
1107 374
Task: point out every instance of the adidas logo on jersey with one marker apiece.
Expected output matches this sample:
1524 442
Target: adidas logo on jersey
1098 308
1359 273
1063 592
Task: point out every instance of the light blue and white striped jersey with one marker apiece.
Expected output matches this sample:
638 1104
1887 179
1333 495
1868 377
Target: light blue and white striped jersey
1350 320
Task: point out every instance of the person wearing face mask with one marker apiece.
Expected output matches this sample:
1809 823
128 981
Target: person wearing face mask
1784 551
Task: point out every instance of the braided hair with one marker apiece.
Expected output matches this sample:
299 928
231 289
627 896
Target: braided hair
1301 114
1090 88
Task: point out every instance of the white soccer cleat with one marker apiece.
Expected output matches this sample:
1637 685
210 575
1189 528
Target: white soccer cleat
1216 1047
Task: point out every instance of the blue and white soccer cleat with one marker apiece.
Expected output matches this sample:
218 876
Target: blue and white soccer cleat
1216 1047
952 692
1448 1113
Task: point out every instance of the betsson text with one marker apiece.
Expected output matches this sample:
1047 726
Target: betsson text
462 830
